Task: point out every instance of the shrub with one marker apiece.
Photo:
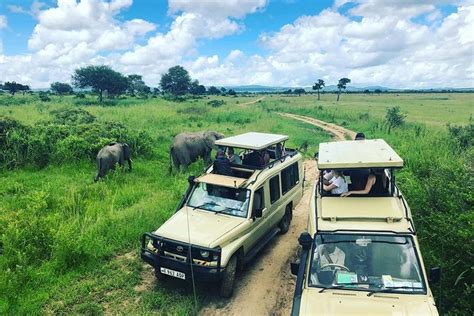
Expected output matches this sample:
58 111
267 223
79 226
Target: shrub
394 118
43 96
68 116
462 135
216 103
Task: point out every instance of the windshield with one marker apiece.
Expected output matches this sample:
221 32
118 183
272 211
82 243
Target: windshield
220 199
366 262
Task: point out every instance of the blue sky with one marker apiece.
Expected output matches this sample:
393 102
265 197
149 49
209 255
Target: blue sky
276 42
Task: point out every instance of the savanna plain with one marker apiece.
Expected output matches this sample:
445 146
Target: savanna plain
70 245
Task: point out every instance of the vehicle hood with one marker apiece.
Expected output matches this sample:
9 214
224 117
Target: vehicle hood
332 302
205 226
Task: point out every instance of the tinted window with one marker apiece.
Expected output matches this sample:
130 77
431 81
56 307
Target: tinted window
274 189
258 199
289 178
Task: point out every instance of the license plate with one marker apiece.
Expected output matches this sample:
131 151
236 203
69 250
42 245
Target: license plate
176 274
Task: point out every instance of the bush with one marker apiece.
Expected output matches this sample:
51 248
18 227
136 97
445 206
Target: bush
462 135
216 103
68 116
394 118
43 96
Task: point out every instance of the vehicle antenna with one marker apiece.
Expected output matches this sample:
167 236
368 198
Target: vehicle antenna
191 263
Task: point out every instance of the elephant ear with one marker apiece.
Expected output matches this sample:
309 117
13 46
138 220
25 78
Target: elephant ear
209 139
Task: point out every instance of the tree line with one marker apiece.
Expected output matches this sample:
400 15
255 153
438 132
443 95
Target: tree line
103 80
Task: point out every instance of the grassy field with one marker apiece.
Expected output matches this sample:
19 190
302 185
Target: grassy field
69 245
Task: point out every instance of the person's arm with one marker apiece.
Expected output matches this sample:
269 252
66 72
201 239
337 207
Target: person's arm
368 186
329 187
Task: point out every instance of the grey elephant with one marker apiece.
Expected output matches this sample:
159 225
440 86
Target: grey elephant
109 156
187 147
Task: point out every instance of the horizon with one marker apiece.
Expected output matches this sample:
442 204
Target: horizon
287 43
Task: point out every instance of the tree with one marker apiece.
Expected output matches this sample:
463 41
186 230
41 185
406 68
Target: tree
213 90
223 90
299 91
61 88
196 88
100 79
342 85
176 81
231 92
136 85
319 85
14 87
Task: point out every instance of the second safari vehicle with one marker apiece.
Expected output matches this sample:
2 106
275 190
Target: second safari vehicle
224 220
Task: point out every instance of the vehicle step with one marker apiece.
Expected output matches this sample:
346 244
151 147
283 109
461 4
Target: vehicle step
261 243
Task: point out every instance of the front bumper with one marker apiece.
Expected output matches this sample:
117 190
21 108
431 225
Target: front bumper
160 257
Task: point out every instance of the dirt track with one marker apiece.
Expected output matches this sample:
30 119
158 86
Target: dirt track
266 286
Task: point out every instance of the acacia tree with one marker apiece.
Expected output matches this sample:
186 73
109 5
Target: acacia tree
61 88
342 85
14 87
176 81
100 79
319 85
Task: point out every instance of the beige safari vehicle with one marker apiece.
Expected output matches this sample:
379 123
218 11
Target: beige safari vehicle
224 220
360 255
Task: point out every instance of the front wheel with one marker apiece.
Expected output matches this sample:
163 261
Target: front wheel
228 278
284 224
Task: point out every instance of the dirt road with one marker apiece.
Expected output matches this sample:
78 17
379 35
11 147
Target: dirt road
254 101
266 286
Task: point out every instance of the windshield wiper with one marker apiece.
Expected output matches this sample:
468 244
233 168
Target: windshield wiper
392 289
204 204
339 286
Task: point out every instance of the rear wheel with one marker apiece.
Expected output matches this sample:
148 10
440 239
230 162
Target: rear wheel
284 224
228 278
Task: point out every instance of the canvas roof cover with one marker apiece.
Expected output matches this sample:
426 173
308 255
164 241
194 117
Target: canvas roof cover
252 140
357 154
225 181
361 208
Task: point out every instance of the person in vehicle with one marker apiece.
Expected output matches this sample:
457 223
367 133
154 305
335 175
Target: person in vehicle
257 158
369 186
233 158
337 184
327 258
359 136
222 164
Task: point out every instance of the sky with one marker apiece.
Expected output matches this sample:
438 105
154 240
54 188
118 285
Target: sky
391 43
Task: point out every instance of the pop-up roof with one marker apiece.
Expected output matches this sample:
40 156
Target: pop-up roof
253 141
371 153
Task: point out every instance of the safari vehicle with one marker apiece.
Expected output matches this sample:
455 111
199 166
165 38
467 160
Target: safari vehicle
223 221
360 254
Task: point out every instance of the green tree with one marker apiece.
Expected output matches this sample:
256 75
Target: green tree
100 79
176 81
196 88
299 91
136 85
213 90
14 87
342 85
61 88
231 92
319 85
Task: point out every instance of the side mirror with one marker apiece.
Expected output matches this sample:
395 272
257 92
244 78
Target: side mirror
191 179
258 212
435 275
295 266
316 155
305 240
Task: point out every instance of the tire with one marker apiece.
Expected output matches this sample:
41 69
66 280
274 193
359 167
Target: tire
285 222
228 278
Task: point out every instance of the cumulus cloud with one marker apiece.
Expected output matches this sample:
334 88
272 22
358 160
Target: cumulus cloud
34 10
3 22
374 42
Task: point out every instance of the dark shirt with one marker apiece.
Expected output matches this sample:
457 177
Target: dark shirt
358 178
254 159
222 166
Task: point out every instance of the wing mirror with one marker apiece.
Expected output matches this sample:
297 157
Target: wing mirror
191 179
305 240
258 212
294 266
435 275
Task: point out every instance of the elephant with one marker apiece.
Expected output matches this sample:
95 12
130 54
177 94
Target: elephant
187 147
110 155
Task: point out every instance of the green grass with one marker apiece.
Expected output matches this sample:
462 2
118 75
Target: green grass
63 235
70 245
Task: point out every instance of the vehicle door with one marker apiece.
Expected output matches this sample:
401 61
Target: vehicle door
276 207
258 225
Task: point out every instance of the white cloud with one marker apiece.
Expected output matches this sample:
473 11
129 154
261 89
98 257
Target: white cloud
3 22
34 10
383 46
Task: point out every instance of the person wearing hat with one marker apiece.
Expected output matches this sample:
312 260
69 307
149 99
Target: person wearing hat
222 165
359 136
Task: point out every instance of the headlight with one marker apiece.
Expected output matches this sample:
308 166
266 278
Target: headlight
204 254
215 257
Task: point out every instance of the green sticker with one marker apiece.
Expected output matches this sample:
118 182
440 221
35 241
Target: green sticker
346 277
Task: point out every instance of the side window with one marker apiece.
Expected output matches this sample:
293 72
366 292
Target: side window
258 199
289 177
274 189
